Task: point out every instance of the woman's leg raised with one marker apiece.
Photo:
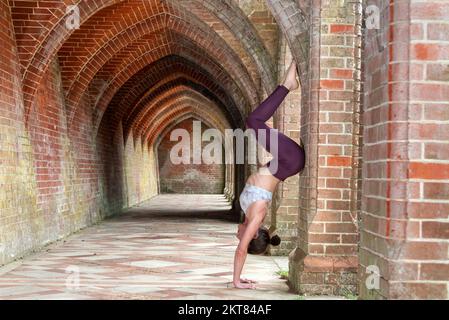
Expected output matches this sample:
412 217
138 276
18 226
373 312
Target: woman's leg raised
256 119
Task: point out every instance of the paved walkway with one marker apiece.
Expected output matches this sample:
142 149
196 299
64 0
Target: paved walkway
151 252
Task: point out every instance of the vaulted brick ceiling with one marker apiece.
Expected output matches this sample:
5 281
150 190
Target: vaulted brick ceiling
143 64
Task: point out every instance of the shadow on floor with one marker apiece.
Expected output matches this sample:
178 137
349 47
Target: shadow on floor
172 247
179 206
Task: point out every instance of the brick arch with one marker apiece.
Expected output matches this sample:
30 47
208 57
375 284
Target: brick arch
147 125
230 178
163 94
238 23
137 86
49 30
42 47
172 110
57 34
141 64
171 80
127 106
149 130
37 50
192 35
134 91
182 112
189 114
240 99
173 118
291 16
98 48
79 64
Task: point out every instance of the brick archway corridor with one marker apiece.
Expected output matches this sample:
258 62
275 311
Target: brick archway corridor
90 91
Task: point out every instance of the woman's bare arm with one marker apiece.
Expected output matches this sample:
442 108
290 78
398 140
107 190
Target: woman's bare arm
242 251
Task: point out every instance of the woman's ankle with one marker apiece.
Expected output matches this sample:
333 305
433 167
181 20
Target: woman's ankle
291 86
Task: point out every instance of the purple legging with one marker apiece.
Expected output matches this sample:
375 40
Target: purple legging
290 155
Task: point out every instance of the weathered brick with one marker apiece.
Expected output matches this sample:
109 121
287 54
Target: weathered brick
82 112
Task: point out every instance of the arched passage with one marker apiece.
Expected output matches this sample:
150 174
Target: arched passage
91 89
189 178
54 33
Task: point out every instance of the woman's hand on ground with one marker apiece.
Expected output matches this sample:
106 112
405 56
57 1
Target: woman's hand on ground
242 285
243 280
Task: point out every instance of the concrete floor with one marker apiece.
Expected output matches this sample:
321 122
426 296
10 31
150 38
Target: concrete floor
150 252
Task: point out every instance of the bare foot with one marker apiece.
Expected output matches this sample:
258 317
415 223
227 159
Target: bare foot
243 280
291 82
240 285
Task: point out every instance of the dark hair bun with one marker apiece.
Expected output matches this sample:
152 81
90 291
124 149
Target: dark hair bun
275 240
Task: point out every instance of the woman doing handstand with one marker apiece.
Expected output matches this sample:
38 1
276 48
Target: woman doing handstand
260 186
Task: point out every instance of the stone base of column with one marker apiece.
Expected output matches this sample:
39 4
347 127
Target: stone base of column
321 275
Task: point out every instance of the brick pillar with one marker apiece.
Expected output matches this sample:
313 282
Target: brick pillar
405 226
285 205
325 260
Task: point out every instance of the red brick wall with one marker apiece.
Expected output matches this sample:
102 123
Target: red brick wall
55 179
18 196
325 260
334 228
57 175
191 178
64 162
51 180
405 207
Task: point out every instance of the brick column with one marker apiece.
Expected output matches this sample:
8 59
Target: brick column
284 217
405 225
325 261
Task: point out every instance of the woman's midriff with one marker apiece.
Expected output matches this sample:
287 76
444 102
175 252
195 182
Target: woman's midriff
264 179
